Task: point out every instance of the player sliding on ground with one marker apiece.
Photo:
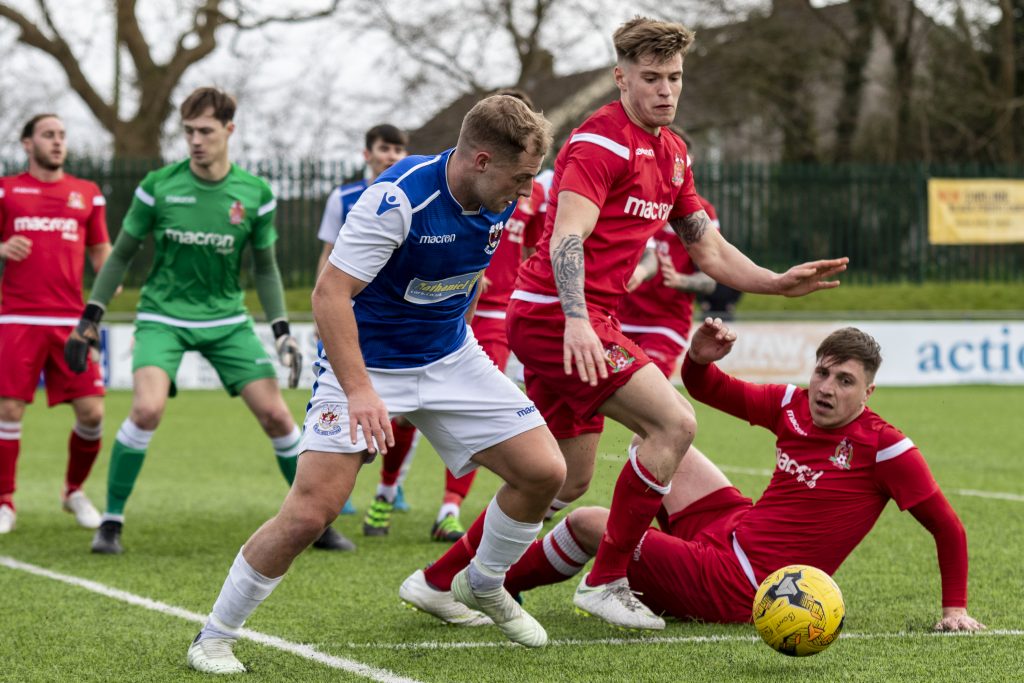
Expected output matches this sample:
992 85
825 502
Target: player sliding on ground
409 257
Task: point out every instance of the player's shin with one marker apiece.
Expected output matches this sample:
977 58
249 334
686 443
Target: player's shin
243 591
286 448
504 541
126 460
440 573
635 502
556 557
83 448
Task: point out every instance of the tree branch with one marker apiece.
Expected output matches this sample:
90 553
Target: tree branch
58 48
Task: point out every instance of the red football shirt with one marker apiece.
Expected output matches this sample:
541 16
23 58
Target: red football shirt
638 180
654 308
509 254
61 219
829 485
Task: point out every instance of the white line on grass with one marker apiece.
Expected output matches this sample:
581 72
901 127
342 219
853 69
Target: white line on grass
761 472
675 640
306 651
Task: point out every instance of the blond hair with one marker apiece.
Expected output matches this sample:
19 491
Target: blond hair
504 125
644 37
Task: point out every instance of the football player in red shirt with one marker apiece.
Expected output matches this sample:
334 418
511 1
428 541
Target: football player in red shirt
621 176
50 222
833 455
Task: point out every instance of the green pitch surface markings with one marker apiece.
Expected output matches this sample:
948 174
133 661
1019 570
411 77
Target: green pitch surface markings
210 479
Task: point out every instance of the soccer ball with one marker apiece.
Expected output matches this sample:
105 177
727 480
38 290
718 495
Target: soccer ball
799 610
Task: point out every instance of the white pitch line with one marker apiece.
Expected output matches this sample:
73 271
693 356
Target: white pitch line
761 472
676 640
306 651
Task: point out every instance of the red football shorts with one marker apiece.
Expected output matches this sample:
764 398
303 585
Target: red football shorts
490 332
662 351
690 571
569 406
27 350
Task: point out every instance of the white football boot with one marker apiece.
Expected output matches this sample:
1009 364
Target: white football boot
214 656
615 603
7 518
418 594
78 504
507 614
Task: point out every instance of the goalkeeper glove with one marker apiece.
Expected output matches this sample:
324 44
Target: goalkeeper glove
84 341
287 351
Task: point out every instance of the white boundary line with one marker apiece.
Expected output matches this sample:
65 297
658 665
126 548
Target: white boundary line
306 651
675 640
761 472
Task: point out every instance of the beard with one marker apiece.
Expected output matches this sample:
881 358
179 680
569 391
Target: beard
45 161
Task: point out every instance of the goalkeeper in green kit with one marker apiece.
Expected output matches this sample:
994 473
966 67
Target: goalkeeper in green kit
201 213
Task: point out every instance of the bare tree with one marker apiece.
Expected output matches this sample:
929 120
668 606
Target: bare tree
153 81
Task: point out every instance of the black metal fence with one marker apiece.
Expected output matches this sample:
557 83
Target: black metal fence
778 214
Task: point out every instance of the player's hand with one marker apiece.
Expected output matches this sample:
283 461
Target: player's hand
290 356
957 619
583 350
82 345
712 341
669 275
16 249
810 277
367 412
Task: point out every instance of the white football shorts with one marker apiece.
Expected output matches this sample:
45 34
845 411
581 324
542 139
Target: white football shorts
462 403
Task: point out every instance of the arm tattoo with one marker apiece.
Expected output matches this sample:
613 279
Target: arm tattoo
567 264
691 228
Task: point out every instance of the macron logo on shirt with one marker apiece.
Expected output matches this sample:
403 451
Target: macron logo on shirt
649 210
387 202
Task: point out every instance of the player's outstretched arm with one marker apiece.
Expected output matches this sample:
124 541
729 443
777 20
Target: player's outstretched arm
726 264
332 310
582 349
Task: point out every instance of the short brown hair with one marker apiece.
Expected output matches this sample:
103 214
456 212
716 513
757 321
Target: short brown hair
506 126
849 343
201 99
644 37
30 127
518 94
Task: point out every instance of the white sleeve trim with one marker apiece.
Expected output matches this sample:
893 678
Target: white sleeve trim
330 224
601 141
422 205
99 200
897 449
267 208
145 197
371 235
788 396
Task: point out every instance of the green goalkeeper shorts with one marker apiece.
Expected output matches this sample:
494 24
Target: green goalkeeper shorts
233 350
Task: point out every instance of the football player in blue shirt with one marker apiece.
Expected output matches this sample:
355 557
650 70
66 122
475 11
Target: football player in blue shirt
391 307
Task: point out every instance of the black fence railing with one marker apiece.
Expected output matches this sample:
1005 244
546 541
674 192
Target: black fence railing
778 214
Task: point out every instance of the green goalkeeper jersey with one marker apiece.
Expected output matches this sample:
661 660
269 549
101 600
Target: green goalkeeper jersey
200 230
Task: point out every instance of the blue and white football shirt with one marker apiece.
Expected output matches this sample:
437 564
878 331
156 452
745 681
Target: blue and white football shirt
339 202
422 254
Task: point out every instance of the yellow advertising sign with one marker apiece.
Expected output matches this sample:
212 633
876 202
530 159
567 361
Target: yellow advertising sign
975 211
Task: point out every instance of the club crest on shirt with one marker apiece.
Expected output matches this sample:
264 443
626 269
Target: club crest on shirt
75 200
237 213
327 424
618 358
494 237
678 171
843 458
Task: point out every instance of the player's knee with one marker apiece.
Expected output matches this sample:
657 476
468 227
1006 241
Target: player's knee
147 416
90 416
276 421
306 522
588 525
677 432
11 411
548 476
576 484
